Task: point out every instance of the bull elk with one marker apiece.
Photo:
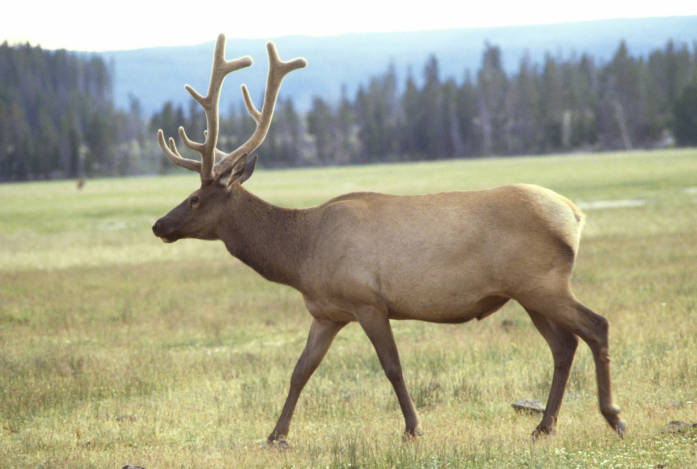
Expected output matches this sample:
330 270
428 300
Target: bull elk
368 257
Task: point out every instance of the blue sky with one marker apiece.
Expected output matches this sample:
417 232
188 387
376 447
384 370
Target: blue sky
129 24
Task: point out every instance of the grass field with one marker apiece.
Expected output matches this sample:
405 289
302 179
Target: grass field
118 349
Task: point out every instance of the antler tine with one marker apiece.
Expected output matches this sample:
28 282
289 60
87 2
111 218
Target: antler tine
173 155
209 103
251 108
278 69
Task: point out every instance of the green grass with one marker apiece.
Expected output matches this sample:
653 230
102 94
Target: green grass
118 349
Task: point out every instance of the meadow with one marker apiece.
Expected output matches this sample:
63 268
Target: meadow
118 349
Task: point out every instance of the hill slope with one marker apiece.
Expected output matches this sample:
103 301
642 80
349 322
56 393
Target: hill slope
158 74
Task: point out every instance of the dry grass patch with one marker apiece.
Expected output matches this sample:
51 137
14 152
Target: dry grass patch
116 349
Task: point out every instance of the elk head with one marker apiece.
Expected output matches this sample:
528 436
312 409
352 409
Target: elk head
221 173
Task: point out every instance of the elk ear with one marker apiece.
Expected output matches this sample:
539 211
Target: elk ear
239 172
248 169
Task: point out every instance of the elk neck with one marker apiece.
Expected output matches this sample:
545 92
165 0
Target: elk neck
269 239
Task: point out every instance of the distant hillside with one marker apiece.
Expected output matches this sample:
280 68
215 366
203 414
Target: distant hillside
158 74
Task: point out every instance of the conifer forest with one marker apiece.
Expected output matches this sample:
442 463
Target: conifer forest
58 118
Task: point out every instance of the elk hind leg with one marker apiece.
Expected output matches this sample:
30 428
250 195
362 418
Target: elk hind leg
593 329
563 344
595 334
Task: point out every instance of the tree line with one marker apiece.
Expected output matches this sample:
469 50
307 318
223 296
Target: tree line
559 105
57 117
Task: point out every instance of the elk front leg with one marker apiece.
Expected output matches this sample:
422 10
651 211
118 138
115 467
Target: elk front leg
563 345
377 327
318 341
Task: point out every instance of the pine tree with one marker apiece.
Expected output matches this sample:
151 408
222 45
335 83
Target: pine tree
685 116
468 117
320 124
492 85
410 128
436 139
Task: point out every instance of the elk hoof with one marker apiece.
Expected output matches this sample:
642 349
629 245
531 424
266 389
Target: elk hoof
612 415
276 440
278 444
541 431
411 435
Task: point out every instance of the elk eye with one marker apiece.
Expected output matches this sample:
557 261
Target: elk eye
193 200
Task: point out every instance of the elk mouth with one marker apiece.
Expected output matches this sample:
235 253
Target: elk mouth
168 237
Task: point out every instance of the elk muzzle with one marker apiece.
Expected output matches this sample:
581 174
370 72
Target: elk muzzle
164 232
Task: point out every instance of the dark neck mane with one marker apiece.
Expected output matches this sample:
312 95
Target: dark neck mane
269 239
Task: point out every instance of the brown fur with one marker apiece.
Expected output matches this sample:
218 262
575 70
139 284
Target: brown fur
370 258
446 258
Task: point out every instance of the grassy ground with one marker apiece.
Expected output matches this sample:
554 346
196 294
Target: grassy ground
117 349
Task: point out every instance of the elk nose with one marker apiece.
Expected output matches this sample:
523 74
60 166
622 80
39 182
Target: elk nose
157 228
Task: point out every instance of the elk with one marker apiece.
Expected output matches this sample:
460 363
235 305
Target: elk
370 258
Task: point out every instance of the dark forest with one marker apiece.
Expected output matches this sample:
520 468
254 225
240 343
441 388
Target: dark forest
58 119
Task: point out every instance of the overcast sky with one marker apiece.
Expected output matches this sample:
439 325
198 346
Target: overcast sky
128 24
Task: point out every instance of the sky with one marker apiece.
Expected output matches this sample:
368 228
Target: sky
130 24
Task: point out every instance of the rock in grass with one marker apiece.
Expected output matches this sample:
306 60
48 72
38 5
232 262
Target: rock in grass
530 406
131 466
678 426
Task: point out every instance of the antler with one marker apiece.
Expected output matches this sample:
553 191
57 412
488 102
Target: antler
207 167
221 68
278 69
